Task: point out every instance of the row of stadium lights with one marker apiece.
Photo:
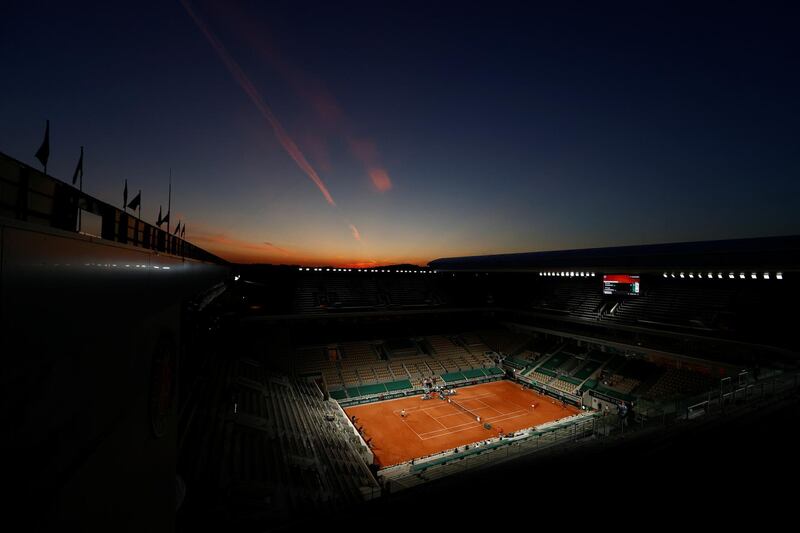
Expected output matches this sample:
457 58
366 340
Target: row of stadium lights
317 269
731 275
111 265
569 274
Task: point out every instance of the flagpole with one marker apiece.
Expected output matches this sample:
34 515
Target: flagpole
47 135
140 204
80 195
169 200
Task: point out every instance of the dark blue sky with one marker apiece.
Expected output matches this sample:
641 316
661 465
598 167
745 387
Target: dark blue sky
388 132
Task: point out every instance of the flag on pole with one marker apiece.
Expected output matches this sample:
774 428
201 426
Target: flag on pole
125 196
78 169
177 228
136 201
165 220
43 153
183 231
158 220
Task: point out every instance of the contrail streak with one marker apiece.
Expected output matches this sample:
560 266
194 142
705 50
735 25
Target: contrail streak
250 90
356 233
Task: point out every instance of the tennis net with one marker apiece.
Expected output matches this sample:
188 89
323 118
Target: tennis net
467 411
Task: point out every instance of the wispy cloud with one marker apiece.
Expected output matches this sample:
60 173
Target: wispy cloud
330 116
235 249
366 151
252 92
356 234
278 248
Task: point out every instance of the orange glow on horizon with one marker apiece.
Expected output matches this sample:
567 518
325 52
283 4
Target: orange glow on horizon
242 251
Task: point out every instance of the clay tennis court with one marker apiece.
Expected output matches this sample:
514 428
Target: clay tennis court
431 426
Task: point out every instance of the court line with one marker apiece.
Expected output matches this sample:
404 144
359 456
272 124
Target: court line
440 433
445 431
454 429
498 419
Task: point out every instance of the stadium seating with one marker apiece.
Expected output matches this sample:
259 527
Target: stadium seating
674 381
274 440
358 372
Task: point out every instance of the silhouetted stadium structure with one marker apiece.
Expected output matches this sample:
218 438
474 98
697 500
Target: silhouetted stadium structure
150 380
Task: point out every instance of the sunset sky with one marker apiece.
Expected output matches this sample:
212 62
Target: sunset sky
397 132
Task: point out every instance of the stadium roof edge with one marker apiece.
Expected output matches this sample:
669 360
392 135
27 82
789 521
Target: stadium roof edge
760 253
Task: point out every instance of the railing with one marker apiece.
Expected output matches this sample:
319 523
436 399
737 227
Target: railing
413 473
716 402
32 196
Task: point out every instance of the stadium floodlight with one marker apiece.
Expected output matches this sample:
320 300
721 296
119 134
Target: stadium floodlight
766 275
592 274
719 275
710 275
730 275
753 276
779 275
691 275
682 276
665 274
741 275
